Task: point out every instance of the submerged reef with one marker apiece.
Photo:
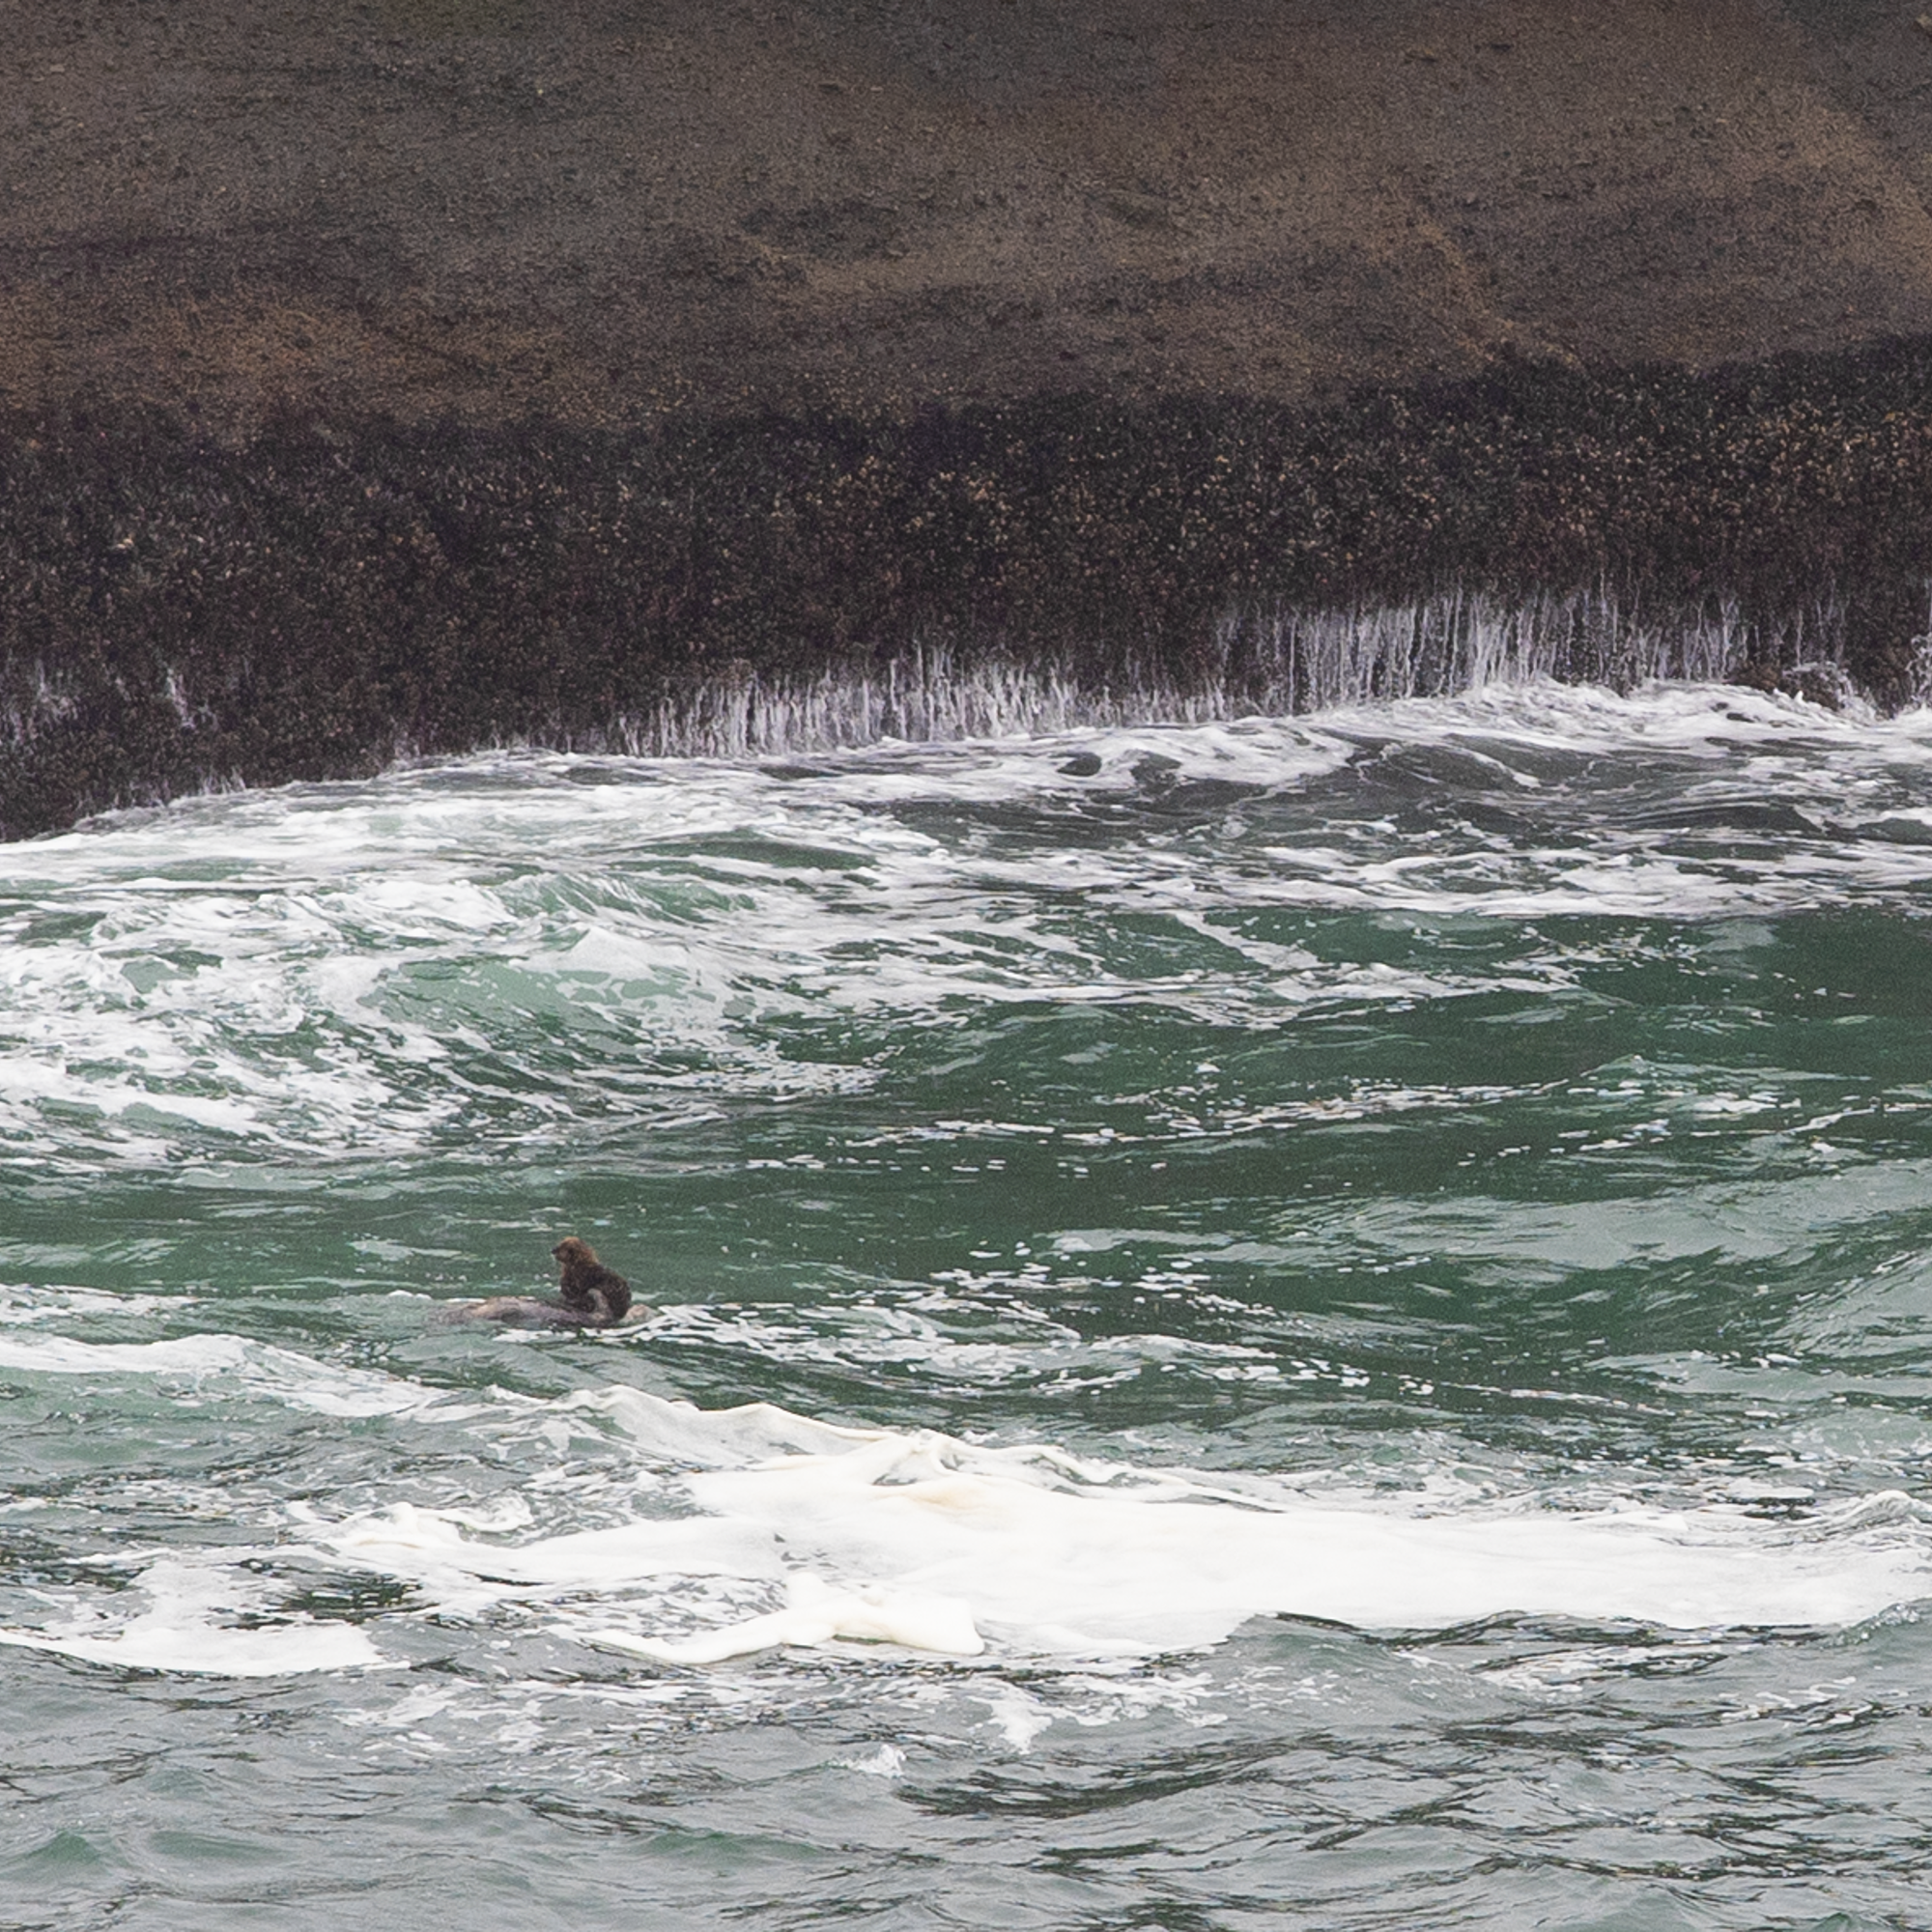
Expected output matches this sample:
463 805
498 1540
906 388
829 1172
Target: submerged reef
329 593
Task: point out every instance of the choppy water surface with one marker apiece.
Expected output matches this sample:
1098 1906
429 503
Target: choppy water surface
1314 1323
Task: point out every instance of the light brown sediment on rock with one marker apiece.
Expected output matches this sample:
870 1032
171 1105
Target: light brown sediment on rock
596 210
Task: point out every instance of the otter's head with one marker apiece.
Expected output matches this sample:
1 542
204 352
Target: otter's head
571 1249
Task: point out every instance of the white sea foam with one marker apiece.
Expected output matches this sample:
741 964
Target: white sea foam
187 1623
932 1543
22 1305
221 1367
766 1528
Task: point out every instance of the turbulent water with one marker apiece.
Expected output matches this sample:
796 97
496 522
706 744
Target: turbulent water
1296 1324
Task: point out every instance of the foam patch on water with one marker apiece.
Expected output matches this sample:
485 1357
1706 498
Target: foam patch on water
229 1367
24 1305
934 1543
200 1617
731 1531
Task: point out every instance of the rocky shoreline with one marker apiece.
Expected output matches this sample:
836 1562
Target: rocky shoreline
416 375
333 594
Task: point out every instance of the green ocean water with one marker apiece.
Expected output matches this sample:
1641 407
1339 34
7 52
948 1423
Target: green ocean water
1348 1296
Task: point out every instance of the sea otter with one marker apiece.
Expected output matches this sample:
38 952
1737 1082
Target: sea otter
589 1296
592 1293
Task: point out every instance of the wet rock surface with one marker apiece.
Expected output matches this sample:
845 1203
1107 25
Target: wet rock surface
333 592
415 374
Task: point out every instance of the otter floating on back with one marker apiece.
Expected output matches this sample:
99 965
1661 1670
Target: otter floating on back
589 1296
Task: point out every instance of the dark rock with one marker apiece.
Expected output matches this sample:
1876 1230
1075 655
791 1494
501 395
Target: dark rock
415 374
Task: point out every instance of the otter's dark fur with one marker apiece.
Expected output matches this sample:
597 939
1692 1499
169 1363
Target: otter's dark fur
590 1291
589 1296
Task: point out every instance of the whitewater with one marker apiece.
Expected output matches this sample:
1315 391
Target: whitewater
1311 1319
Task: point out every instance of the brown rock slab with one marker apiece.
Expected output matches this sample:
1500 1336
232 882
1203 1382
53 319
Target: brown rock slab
595 210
